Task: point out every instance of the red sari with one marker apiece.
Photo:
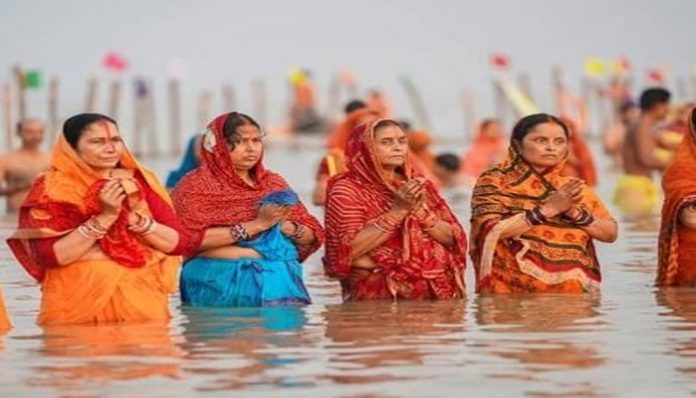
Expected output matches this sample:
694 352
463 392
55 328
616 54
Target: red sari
677 244
411 264
214 195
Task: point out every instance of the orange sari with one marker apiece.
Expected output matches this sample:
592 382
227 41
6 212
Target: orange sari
483 154
5 322
677 244
547 258
127 281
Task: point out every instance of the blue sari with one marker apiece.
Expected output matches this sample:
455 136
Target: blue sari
188 163
273 280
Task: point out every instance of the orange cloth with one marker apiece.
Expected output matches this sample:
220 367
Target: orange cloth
483 154
580 163
422 159
547 258
89 290
335 161
4 317
677 244
305 96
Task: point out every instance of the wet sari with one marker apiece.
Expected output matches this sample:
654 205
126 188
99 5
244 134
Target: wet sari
214 195
547 258
677 243
411 264
130 281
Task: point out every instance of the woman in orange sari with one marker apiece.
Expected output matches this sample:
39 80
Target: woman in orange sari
487 150
677 244
533 229
389 234
580 162
98 231
5 322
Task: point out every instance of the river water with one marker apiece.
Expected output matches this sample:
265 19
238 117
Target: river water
632 340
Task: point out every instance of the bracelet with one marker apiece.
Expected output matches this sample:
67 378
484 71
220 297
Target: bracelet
535 217
239 233
583 220
144 226
89 233
387 223
430 221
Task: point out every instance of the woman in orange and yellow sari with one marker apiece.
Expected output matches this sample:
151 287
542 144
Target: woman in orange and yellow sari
389 234
98 231
677 244
532 228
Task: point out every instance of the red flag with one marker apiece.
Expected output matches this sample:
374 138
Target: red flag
656 76
500 61
115 62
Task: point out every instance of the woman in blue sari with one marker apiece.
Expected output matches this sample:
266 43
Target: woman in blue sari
252 232
188 162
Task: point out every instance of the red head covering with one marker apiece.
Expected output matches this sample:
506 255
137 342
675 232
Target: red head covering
215 195
363 193
677 244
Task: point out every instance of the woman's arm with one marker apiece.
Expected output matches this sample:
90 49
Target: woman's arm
375 234
76 244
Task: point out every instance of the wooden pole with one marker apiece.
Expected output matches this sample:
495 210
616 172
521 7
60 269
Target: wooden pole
333 97
7 111
229 99
469 113
205 101
525 83
417 102
91 97
682 89
499 102
260 108
153 135
138 118
114 98
21 93
173 94
53 108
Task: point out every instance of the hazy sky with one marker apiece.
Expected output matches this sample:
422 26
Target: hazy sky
443 45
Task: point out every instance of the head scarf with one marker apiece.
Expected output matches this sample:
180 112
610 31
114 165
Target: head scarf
677 245
214 195
67 196
534 258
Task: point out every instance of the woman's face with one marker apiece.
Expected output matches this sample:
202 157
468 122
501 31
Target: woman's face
100 146
248 147
391 146
544 146
493 130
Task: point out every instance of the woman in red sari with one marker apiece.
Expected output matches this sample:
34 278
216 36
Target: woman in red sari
247 252
389 234
677 244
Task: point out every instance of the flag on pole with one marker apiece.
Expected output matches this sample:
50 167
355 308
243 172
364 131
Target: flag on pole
595 67
500 61
32 79
656 75
621 66
115 62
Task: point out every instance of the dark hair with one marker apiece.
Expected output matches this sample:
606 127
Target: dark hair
448 161
405 124
353 106
234 121
487 122
626 106
76 125
388 123
652 97
528 123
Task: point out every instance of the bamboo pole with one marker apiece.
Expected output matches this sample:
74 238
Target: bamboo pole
7 111
333 97
21 93
260 96
469 113
499 102
229 100
151 109
174 99
53 108
138 118
417 102
204 107
114 98
525 83
91 95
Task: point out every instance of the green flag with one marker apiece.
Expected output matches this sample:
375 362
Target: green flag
32 79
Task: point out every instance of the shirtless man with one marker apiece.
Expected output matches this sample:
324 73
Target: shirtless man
19 168
641 138
636 192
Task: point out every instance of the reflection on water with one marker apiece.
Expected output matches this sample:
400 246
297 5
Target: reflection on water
630 341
